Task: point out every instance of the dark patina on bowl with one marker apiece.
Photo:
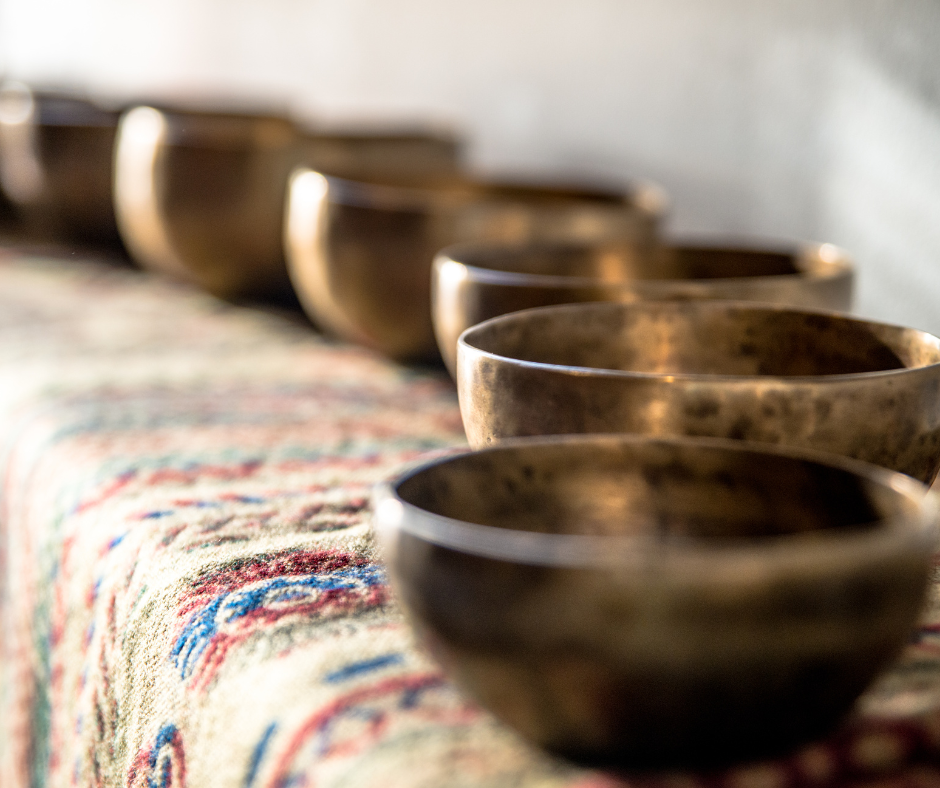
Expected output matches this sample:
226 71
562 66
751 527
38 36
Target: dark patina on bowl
721 369
659 602
474 282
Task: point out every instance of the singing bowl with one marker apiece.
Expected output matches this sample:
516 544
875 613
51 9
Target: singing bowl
659 602
761 373
360 252
474 282
55 164
199 196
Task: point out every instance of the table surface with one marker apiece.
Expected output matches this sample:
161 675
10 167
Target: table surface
191 595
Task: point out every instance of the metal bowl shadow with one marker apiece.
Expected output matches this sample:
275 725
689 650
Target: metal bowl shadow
659 602
474 282
200 195
55 164
360 251
721 369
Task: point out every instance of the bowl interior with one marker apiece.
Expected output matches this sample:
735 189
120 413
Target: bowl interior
669 492
703 338
424 189
617 262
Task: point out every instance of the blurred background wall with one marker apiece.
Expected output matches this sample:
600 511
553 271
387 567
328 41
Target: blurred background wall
794 118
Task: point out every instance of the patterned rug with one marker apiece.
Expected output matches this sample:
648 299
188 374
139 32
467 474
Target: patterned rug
190 591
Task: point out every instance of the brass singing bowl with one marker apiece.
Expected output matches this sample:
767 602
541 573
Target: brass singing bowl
360 252
55 164
474 282
707 368
659 602
200 195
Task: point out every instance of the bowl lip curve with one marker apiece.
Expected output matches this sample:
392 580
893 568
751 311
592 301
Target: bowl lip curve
213 129
581 550
380 133
464 346
181 112
379 195
823 270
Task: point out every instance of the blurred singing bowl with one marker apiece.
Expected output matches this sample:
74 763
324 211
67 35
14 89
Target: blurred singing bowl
474 282
360 252
199 196
707 368
55 163
659 602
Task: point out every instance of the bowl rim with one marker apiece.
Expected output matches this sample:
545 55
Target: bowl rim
38 108
379 133
214 129
464 344
391 513
815 261
390 196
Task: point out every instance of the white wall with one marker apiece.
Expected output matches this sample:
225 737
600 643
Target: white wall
805 118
